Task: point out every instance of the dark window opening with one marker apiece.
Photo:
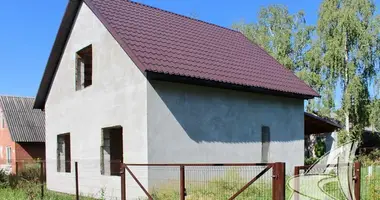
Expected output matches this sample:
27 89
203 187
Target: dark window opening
83 68
265 141
111 150
63 153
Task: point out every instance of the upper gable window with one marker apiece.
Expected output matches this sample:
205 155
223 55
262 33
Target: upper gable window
2 120
83 68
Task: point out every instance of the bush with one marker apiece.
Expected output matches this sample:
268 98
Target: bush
371 158
30 172
320 147
4 181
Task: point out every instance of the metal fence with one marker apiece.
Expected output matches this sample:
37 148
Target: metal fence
203 181
370 182
184 181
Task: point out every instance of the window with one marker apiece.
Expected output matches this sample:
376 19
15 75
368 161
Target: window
9 155
265 141
63 153
2 120
111 151
83 68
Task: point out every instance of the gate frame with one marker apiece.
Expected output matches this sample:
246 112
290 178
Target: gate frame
278 177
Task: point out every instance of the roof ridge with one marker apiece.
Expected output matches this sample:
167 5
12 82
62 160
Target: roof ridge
184 16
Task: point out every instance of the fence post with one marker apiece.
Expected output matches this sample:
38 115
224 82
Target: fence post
296 182
76 182
122 178
357 167
182 182
42 179
278 183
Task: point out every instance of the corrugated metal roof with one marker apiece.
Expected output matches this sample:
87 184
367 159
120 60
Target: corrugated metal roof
25 123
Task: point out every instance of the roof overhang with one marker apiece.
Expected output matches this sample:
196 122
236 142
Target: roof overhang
210 83
318 125
56 52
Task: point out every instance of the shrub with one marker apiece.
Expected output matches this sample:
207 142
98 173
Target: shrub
372 158
4 181
372 188
30 172
320 147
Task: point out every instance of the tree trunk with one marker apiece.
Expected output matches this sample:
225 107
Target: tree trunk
347 117
346 82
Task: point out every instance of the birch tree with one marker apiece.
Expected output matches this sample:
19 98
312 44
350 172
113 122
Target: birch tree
348 31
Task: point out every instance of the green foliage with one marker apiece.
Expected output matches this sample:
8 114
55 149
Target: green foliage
310 160
31 172
368 159
374 117
373 188
22 194
320 147
283 35
4 181
288 38
343 137
349 38
343 49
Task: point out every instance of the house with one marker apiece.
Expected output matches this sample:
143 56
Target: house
126 81
22 132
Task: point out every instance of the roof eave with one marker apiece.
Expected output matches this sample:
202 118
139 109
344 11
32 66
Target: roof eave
223 85
56 52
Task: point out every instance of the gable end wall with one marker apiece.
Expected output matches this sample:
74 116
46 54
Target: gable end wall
117 96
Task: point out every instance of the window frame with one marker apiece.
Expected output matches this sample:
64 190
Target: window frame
8 154
83 68
66 167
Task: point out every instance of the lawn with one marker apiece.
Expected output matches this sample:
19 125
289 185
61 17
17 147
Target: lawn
369 185
34 192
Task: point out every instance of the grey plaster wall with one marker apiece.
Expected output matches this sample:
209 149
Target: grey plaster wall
194 124
116 97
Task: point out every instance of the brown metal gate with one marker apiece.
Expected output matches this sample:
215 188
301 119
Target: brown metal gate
272 185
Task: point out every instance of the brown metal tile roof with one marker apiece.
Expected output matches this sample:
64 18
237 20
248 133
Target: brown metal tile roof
25 124
167 43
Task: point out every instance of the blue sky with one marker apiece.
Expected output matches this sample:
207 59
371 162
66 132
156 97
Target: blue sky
29 28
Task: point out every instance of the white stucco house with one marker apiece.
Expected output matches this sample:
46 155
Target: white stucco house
126 81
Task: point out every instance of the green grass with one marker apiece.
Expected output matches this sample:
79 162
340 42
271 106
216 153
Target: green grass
370 186
218 188
333 189
26 194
